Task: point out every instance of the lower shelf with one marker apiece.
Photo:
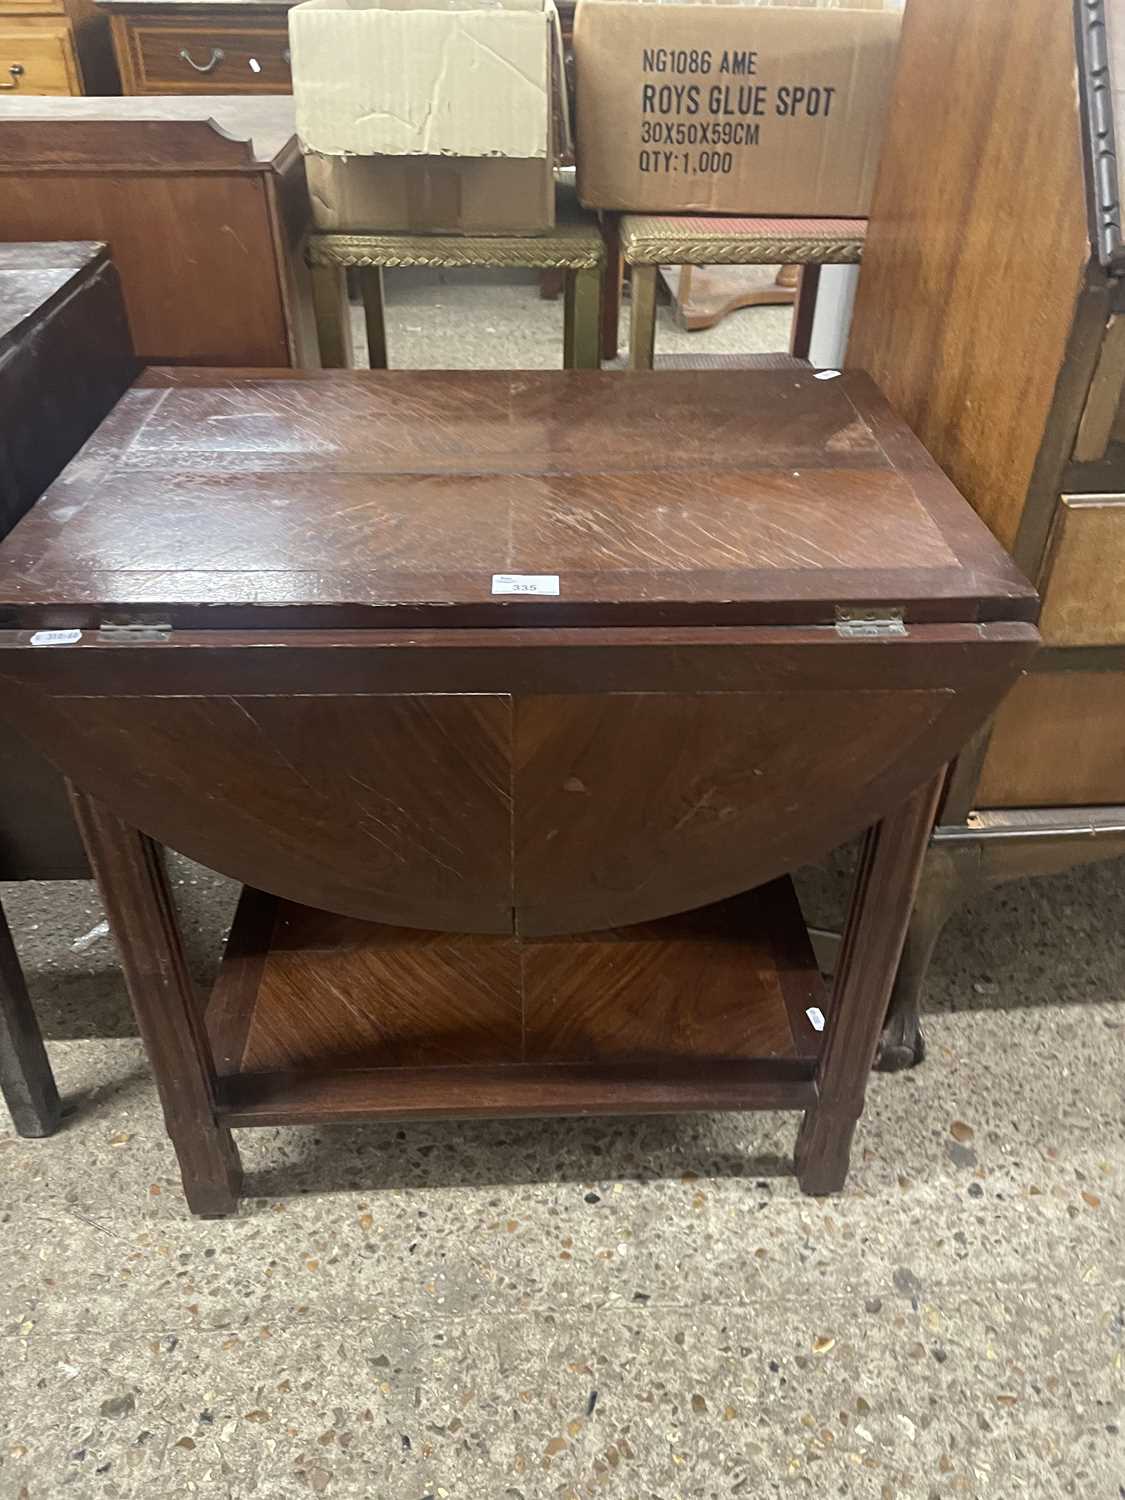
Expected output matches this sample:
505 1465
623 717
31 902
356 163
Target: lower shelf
317 1017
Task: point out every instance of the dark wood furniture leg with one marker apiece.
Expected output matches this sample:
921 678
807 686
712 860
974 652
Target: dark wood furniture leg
800 332
882 899
138 903
26 1080
967 858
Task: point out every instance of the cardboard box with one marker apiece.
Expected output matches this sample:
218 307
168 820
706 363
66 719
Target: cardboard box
418 118
731 107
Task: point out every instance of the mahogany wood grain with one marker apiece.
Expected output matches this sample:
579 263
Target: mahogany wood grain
392 997
156 64
974 262
374 775
330 698
368 498
149 35
190 211
138 903
476 1093
1058 740
707 984
306 989
882 899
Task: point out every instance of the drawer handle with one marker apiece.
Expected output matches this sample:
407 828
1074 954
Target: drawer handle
216 59
16 70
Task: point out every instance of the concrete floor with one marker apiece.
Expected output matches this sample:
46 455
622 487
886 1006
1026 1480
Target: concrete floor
642 1310
465 320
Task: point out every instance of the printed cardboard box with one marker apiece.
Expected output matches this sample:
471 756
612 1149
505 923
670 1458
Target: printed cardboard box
730 107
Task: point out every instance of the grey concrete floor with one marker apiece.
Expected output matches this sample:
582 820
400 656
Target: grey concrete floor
642 1310
479 320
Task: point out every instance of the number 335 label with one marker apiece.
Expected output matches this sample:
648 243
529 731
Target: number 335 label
525 583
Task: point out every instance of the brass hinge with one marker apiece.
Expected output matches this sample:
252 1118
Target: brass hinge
134 630
861 624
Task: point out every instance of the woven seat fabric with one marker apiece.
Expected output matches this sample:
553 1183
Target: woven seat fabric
702 226
694 239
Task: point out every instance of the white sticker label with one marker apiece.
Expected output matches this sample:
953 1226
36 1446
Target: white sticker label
56 637
525 583
816 1017
826 375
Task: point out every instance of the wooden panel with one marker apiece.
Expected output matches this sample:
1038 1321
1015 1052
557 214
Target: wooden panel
597 843
738 984
196 256
368 498
210 131
1059 739
334 992
159 68
340 772
64 360
488 1093
1102 414
973 263
31 8
395 807
303 991
38 839
38 59
1084 577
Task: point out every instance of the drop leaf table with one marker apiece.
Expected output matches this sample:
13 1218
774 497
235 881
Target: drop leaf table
511 699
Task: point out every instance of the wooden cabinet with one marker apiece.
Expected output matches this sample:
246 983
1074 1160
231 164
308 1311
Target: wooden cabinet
37 56
201 46
203 201
64 360
991 310
55 47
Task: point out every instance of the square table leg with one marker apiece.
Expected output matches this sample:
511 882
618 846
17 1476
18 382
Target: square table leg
26 1080
800 332
642 318
333 318
882 898
138 903
371 285
582 333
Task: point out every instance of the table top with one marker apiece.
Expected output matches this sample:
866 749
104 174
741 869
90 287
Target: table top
346 499
267 121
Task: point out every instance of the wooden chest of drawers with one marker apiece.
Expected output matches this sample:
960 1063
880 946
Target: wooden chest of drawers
201 46
991 309
55 47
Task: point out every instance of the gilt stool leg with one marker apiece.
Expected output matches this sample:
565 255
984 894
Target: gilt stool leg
642 318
